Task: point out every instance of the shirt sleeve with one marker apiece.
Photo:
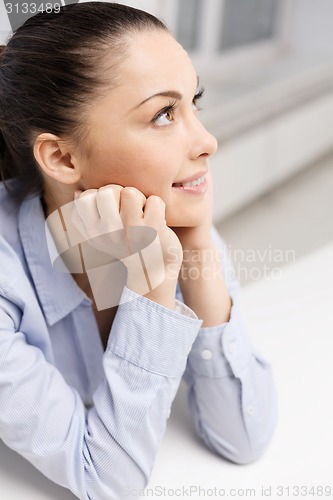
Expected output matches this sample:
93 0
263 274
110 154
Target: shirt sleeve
104 451
231 391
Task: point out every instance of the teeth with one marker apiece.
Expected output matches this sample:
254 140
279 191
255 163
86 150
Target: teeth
197 182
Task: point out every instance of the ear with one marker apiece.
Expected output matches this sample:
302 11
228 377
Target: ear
54 157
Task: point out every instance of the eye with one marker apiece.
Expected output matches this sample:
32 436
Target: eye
166 116
196 98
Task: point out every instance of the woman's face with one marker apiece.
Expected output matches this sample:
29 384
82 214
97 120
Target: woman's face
146 133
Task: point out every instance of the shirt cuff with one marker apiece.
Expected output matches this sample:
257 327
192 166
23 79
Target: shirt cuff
183 309
221 350
152 336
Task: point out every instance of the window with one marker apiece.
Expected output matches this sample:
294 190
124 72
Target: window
221 28
225 36
188 23
248 21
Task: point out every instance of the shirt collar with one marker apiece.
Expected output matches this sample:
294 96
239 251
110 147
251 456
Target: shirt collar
57 292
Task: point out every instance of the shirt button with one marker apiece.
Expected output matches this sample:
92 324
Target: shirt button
232 347
206 354
250 410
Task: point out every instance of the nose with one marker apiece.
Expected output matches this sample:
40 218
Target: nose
202 142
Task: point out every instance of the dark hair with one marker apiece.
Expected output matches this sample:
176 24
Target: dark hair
49 70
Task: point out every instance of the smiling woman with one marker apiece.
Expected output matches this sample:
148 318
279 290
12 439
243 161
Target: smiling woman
148 120
106 185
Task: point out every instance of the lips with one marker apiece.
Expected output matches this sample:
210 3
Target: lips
196 182
196 179
198 187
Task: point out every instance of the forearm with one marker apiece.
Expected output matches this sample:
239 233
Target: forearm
203 286
143 364
234 413
164 294
232 393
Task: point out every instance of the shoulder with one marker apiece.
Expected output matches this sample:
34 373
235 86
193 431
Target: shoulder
11 252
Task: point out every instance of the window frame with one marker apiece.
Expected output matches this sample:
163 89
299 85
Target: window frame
208 59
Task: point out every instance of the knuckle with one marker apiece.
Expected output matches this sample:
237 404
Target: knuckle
153 197
130 190
157 198
116 187
134 193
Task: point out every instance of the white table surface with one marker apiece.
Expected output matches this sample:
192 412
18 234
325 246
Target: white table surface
291 321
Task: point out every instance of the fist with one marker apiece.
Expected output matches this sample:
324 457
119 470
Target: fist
113 225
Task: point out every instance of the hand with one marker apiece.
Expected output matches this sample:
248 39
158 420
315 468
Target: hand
122 223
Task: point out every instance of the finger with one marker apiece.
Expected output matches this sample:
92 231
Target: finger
86 207
77 216
154 214
84 217
132 202
108 200
117 188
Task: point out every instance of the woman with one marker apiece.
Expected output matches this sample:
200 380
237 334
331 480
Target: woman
99 121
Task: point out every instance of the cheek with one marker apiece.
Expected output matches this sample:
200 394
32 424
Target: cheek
147 164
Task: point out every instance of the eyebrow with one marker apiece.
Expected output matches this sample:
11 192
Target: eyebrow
167 93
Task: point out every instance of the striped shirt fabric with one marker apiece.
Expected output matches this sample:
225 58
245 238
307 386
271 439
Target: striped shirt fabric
92 420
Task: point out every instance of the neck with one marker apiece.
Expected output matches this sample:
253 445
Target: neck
52 201
56 194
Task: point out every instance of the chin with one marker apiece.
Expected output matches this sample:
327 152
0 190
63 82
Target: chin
186 220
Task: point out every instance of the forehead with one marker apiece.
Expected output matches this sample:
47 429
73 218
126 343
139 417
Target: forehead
155 58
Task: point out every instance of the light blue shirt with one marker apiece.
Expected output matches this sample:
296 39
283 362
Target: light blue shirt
90 420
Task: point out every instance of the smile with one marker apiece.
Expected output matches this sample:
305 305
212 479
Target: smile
197 182
197 186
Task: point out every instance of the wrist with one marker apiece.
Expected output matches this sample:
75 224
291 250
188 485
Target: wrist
195 257
164 294
201 242
194 238
203 287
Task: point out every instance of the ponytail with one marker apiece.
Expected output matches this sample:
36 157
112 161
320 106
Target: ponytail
6 164
16 161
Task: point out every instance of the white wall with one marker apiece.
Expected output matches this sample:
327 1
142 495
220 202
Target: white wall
260 159
155 7
311 25
4 23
